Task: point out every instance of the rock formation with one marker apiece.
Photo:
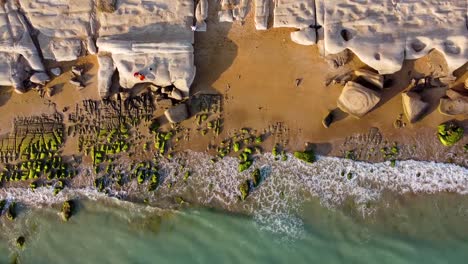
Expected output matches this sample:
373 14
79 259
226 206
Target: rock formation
357 100
454 103
17 50
414 107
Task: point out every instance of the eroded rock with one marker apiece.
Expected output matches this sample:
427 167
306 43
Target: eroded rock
414 107
454 104
357 100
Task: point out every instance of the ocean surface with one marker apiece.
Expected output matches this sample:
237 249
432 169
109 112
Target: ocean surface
416 212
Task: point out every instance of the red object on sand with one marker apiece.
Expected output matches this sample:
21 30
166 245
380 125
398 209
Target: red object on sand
136 74
142 77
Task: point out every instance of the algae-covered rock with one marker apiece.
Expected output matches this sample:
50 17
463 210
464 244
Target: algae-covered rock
244 189
307 156
20 241
67 210
256 177
450 133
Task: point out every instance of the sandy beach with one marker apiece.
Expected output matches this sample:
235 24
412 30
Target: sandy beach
256 73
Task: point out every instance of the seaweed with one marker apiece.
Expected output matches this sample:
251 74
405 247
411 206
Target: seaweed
450 133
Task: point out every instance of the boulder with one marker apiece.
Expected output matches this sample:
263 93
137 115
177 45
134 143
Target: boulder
77 71
454 104
105 73
357 100
371 77
262 11
177 113
56 71
176 95
413 106
305 36
39 78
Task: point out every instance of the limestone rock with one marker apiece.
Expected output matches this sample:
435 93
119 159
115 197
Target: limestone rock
56 71
413 106
106 6
225 16
262 11
357 100
295 13
306 36
371 77
454 104
176 95
77 71
39 78
177 113
105 73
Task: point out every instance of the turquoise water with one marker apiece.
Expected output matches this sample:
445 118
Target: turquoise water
425 229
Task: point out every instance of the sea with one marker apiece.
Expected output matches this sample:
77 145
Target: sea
332 211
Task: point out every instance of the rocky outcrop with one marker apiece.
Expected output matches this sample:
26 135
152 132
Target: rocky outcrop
17 50
262 11
453 104
357 100
105 73
150 48
177 113
414 107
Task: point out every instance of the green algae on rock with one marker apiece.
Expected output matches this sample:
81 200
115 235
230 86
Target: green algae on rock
306 156
450 133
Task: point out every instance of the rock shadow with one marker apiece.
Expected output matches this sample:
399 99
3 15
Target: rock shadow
5 94
214 52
